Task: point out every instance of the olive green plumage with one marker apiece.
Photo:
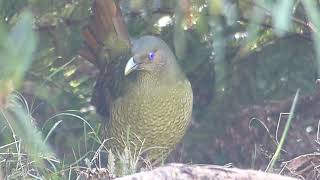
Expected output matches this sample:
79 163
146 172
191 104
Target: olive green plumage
156 105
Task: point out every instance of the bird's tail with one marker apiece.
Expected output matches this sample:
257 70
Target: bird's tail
106 28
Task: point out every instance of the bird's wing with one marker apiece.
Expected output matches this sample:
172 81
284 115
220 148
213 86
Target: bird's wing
107 47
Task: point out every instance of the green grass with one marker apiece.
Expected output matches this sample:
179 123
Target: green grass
27 155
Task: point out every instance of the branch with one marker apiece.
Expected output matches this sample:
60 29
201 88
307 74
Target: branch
189 172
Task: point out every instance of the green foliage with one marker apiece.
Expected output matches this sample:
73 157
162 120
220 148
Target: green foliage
28 147
16 51
281 12
285 133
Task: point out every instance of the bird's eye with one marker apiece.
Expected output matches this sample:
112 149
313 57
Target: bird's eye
151 56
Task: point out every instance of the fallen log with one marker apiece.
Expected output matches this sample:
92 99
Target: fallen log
189 172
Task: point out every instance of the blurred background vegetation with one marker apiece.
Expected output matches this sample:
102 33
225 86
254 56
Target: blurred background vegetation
245 59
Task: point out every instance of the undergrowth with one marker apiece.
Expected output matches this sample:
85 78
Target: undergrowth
29 155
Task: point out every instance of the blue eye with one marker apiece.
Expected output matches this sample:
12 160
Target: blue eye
151 56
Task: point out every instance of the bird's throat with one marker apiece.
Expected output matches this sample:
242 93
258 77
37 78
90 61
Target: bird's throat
147 80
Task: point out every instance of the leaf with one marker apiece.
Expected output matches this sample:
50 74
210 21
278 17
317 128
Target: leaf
16 52
281 16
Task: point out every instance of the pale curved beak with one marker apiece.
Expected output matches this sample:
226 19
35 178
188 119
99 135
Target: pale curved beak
130 66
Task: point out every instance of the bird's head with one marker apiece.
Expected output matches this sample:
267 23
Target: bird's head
151 55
